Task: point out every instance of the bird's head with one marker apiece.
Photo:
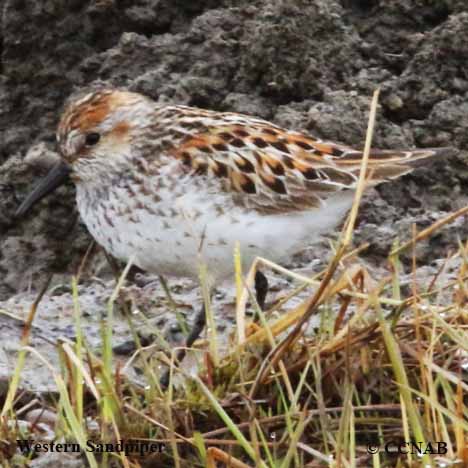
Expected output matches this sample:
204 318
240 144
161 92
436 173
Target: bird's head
94 138
97 127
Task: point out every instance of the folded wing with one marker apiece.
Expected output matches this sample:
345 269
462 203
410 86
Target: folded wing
272 169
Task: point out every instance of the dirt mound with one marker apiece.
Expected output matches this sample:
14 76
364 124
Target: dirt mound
305 65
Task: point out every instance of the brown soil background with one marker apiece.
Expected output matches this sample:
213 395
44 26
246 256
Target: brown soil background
307 65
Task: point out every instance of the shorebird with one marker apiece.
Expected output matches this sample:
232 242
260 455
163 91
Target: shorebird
170 185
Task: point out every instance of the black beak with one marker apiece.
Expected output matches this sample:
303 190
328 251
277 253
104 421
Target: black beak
56 177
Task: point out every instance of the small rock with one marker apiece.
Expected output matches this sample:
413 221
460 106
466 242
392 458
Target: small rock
394 102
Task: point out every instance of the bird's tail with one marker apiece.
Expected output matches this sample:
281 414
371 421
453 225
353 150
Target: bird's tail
387 164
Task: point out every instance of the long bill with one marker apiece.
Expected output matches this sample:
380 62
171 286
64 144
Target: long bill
56 177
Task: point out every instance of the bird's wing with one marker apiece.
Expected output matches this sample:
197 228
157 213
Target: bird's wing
272 170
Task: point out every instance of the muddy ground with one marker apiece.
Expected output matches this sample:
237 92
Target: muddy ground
309 65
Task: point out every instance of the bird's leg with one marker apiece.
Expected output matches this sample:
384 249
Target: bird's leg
261 288
197 327
195 332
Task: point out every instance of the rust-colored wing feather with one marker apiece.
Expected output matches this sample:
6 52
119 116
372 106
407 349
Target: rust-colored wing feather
272 169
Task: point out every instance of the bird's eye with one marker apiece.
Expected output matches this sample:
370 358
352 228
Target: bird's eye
92 138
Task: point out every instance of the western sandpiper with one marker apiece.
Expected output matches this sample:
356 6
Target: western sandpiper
168 185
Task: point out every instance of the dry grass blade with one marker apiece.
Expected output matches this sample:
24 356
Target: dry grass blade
275 355
84 373
241 293
214 454
431 229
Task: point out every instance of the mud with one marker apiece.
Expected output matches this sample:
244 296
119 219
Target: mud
307 65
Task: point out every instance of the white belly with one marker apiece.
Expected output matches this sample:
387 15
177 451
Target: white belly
178 234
